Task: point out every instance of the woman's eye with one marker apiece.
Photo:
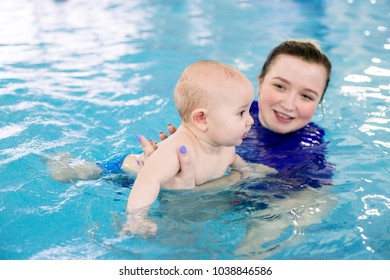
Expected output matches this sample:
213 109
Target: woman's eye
279 86
307 97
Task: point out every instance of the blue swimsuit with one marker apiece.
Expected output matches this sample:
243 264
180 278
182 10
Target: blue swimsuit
113 164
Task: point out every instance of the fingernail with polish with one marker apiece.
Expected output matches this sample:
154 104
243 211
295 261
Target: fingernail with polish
183 149
139 138
137 161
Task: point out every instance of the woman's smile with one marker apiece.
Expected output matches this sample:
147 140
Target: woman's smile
282 117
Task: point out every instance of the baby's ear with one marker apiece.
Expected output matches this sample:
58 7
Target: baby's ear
199 119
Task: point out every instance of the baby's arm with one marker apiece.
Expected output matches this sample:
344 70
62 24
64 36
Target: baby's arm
251 170
162 166
235 175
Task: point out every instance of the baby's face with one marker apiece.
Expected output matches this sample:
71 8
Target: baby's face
228 111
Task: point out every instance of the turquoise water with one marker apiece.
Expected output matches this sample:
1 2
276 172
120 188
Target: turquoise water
85 78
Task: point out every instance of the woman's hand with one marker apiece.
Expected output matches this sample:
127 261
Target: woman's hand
150 146
171 129
185 178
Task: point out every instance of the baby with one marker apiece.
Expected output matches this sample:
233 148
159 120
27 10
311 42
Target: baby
213 100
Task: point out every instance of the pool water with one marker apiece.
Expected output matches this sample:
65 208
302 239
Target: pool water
85 77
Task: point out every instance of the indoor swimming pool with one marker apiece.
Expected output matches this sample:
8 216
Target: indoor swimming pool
86 77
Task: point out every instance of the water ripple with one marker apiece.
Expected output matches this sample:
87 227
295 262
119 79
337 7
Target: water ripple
377 71
11 130
362 93
375 205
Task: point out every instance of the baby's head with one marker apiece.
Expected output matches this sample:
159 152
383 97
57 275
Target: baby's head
199 85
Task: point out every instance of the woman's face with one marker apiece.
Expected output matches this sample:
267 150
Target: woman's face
290 93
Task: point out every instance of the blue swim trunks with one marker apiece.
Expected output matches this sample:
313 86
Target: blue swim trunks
113 164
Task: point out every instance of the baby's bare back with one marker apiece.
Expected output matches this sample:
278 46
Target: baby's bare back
209 161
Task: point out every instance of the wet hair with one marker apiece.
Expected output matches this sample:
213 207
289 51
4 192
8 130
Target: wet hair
193 89
307 50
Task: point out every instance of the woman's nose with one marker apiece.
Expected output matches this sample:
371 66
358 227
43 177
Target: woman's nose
288 102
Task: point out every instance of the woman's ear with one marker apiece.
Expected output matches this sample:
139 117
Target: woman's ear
199 118
260 82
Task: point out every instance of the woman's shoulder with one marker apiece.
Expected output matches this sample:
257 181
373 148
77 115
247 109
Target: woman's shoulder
308 136
311 135
254 109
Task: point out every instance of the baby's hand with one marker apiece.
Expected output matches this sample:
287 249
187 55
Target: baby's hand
264 169
139 223
257 170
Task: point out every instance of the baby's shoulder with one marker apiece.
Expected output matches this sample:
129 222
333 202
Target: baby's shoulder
176 140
